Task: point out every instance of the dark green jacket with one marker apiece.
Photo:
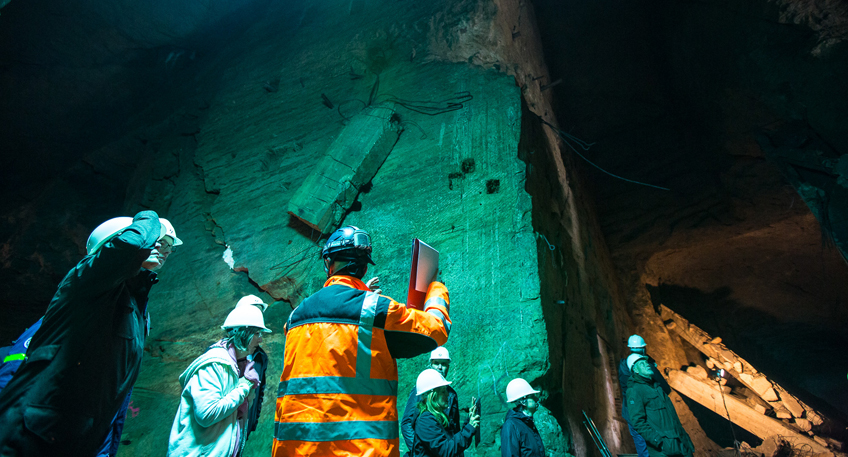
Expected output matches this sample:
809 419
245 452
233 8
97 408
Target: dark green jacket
86 356
652 415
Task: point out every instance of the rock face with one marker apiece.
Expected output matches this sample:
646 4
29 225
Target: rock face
703 99
218 112
472 175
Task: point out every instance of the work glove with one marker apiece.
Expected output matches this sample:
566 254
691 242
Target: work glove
251 375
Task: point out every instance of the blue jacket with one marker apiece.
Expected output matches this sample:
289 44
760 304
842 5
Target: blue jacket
519 437
14 355
432 440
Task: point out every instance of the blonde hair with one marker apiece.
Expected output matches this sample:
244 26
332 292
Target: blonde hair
434 402
240 336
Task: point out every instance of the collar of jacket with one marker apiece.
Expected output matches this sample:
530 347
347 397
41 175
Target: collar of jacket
349 281
641 379
521 416
143 281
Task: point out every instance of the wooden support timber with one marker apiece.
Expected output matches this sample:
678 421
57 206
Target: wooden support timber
350 163
708 395
720 356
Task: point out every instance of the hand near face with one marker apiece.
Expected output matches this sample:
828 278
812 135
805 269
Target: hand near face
251 375
473 417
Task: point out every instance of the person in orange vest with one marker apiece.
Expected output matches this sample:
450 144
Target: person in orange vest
338 390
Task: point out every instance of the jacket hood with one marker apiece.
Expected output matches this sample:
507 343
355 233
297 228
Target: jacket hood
216 354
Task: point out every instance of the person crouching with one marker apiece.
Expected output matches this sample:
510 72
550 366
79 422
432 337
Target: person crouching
212 415
431 436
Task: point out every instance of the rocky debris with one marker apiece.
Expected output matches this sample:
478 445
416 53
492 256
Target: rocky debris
803 424
708 395
791 403
795 414
697 371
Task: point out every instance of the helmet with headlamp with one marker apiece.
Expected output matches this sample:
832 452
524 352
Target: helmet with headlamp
351 245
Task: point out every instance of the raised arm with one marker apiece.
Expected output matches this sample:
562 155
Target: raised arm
121 257
410 332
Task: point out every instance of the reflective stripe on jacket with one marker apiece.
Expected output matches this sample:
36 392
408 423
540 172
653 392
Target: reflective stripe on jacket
17 354
338 389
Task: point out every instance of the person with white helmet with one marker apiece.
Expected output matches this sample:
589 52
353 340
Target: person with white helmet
431 438
440 361
80 365
652 413
637 346
260 364
211 420
519 436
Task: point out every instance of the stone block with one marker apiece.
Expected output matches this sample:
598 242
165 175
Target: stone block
781 412
803 424
760 384
792 404
350 162
697 371
770 395
737 366
814 418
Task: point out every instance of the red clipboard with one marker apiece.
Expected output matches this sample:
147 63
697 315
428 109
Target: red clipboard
425 267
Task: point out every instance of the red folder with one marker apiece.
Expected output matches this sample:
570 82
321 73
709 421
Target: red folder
425 267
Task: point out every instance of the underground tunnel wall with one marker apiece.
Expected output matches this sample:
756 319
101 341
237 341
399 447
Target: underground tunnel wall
454 180
251 125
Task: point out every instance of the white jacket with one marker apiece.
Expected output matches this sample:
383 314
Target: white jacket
206 423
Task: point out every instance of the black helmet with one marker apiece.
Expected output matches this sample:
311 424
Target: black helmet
350 244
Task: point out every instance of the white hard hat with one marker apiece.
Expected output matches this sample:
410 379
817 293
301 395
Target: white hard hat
428 380
245 316
635 342
105 231
169 231
518 389
252 300
633 358
440 353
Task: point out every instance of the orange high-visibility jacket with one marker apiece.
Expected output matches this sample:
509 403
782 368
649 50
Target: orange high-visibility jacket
338 390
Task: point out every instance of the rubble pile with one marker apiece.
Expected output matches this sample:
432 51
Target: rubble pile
781 413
